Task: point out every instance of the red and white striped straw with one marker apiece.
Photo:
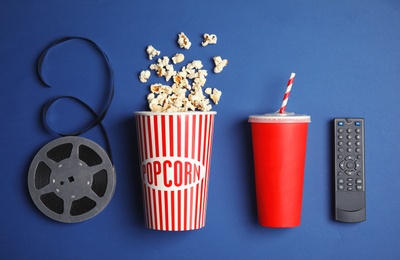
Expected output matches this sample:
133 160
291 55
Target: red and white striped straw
287 93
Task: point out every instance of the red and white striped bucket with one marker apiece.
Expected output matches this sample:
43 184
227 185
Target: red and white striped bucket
175 151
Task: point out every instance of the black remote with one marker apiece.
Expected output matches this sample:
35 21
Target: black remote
349 170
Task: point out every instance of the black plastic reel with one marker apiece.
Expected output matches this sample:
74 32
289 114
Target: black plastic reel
71 179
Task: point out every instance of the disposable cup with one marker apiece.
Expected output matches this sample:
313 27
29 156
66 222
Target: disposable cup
175 152
279 149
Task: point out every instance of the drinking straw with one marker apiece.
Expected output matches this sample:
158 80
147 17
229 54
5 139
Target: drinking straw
287 93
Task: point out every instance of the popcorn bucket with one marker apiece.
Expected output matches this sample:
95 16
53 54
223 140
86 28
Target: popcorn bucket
175 151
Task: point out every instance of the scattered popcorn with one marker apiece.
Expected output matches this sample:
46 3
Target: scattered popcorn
216 95
178 58
209 39
164 98
163 68
150 97
219 64
164 61
198 100
183 41
144 76
186 92
197 64
181 81
152 52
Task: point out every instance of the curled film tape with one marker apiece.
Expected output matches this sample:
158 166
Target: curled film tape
71 179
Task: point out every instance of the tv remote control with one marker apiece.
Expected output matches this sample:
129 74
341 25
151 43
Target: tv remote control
349 170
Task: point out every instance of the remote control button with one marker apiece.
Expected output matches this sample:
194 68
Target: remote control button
341 165
340 173
340 187
359 173
357 165
358 143
340 156
349 130
358 130
350 165
349 158
358 137
349 150
340 130
341 123
349 179
358 150
348 143
340 143
359 181
340 181
349 188
359 187
340 137
349 173
349 137
359 156
357 123
340 150
349 184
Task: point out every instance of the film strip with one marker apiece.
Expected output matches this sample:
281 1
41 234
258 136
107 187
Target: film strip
71 178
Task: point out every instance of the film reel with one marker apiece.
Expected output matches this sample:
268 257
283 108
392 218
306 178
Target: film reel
71 179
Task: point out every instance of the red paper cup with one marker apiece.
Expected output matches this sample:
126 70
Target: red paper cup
279 148
175 152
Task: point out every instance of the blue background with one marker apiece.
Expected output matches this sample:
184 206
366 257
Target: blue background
346 56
